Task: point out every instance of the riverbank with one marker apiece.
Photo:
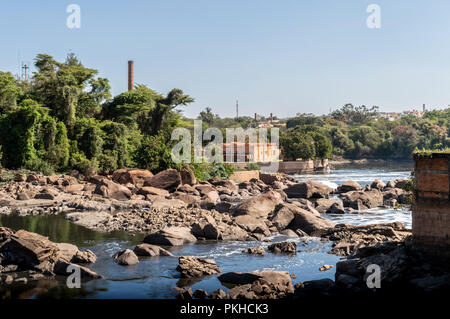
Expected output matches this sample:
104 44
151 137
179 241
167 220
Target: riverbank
370 162
137 201
203 212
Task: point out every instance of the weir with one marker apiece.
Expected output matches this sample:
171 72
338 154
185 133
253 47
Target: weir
431 206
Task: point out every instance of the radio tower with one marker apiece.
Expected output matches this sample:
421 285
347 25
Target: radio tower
25 69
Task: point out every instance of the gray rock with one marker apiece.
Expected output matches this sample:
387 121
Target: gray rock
148 250
126 257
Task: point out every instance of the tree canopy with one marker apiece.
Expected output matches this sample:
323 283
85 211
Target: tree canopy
65 117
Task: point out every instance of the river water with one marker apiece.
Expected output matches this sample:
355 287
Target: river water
156 276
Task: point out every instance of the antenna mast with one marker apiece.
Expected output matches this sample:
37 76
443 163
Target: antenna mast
25 69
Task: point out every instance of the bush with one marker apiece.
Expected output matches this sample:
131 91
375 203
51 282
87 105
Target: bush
88 167
252 167
39 165
154 154
205 171
107 162
221 170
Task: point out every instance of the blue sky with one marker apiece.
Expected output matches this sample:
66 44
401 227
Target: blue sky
285 57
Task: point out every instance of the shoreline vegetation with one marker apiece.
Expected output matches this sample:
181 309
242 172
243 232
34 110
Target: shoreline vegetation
65 118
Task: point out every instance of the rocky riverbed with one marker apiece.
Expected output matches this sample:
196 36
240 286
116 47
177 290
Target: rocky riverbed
173 209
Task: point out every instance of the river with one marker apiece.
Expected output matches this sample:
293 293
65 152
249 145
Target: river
155 277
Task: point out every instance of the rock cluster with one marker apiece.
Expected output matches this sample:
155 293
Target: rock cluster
37 256
348 238
192 267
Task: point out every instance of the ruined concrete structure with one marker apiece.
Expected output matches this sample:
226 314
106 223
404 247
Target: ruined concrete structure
431 207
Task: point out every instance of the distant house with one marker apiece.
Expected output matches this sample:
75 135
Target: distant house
391 116
414 113
252 152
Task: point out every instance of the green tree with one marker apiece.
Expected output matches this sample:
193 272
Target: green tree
322 145
297 145
9 92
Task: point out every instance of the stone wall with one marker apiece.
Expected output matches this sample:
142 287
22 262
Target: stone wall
431 207
302 167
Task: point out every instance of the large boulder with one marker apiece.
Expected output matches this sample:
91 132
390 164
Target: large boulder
192 267
329 206
393 193
348 186
232 232
252 224
401 182
313 288
148 250
161 203
171 236
168 179
136 177
188 189
362 199
282 218
71 253
286 247
30 251
61 268
207 229
238 278
126 257
377 184
209 200
204 189
268 284
269 179
306 221
5 234
310 189
148 190
110 189
187 177
224 182
259 206
46 193
74 189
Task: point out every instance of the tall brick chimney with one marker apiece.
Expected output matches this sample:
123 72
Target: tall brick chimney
256 117
271 117
130 75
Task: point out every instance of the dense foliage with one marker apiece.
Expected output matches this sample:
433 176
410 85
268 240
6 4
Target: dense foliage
65 118
359 132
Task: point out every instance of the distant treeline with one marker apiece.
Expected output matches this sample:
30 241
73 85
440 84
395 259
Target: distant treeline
358 132
353 132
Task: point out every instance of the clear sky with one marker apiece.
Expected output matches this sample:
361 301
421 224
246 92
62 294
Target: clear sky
285 56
